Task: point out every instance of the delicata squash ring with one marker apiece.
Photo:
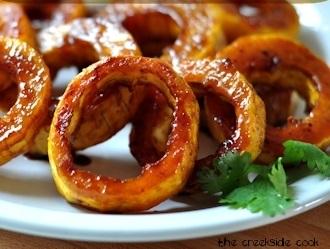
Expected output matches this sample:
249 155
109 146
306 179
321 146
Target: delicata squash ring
21 123
275 60
220 118
150 126
244 17
14 24
98 122
222 80
84 41
190 31
81 42
44 14
157 181
193 29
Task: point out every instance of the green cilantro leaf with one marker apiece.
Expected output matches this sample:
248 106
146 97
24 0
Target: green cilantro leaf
269 192
227 173
296 152
277 177
260 195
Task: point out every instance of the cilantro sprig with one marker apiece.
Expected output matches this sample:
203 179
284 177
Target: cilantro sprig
316 160
268 192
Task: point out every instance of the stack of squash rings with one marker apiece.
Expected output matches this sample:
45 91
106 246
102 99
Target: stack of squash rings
169 70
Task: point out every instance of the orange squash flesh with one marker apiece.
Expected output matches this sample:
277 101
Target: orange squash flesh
279 61
21 123
157 181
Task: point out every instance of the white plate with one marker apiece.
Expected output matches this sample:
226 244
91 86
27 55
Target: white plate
29 202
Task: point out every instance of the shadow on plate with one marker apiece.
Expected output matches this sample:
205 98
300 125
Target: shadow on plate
35 187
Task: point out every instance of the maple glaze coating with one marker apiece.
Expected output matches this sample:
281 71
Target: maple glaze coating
150 126
8 94
217 79
21 123
222 79
104 115
193 29
244 17
15 24
98 121
157 181
83 42
190 31
45 14
219 116
279 61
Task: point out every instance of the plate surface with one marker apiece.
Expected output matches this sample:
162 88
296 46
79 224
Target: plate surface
29 202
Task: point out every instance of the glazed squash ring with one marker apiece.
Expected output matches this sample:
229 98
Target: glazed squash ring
84 41
157 181
81 42
195 33
220 118
20 124
46 14
274 60
193 27
15 24
246 17
148 139
221 79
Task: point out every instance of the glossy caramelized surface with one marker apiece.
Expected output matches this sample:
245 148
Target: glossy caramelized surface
244 17
150 126
80 43
221 78
124 87
193 29
15 24
84 41
220 117
102 117
159 180
223 124
275 60
244 128
241 18
51 13
190 31
21 123
8 92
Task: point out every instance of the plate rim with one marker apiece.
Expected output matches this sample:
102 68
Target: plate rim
82 232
